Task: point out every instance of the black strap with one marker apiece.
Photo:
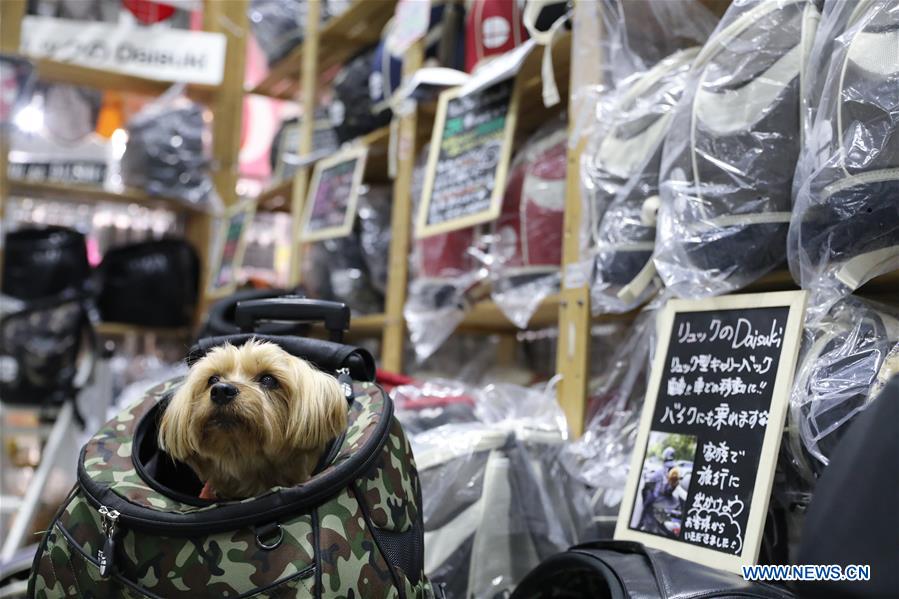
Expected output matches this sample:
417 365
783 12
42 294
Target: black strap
326 355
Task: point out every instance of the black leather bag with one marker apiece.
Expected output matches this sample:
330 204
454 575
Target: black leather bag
43 262
627 570
153 283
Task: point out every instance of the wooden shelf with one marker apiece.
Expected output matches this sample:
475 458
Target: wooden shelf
277 197
86 193
62 72
121 328
341 38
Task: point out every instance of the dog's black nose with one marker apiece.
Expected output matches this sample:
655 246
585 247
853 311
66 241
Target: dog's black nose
222 393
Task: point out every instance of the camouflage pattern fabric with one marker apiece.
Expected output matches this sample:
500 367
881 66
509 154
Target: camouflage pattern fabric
340 559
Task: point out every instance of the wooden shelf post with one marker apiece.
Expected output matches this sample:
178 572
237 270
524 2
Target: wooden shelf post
573 351
308 98
394 339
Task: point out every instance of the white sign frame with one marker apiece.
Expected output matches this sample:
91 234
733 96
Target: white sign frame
777 413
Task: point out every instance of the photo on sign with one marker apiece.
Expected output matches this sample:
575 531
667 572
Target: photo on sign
664 484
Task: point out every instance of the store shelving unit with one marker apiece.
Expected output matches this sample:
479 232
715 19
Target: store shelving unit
224 101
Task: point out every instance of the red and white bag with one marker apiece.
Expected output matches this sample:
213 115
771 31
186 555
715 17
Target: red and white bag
492 27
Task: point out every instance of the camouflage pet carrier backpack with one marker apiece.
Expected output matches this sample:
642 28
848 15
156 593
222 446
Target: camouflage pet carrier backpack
134 525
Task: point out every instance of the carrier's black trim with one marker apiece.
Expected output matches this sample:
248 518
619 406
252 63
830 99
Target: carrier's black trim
326 355
232 515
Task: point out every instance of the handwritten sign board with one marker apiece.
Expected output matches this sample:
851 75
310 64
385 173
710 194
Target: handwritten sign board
231 245
468 159
703 467
331 203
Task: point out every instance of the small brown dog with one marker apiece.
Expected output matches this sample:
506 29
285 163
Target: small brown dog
252 417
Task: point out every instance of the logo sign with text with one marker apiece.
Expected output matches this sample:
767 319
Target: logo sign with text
151 52
468 159
711 426
331 203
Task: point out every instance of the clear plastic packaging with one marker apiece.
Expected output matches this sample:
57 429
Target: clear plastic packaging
279 25
374 215
446 272
495 502
624 178
845 225
730 153
600 459
844 354
353 269
168 148
526 238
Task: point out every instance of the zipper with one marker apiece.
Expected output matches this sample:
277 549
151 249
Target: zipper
346 384
132 517
106 556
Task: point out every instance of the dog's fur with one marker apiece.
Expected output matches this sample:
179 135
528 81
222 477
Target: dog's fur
266 436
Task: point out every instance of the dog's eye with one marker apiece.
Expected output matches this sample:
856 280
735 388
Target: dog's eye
268 381
212 380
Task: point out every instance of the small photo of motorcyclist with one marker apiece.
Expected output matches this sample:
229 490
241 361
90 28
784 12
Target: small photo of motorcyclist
664 484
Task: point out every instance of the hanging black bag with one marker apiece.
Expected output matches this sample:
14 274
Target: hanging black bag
152 283
41 262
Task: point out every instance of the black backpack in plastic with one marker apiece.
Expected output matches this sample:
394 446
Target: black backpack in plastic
351 111
41 262
628 570
152 283
41 348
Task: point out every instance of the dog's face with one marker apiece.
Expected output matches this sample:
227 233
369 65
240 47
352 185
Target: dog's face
252 412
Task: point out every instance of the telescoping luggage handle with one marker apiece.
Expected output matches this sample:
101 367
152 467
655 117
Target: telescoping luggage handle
334 315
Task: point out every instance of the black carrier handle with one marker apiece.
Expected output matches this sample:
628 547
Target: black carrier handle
334 315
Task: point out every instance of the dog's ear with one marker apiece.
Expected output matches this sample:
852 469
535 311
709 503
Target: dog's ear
175 435
319 411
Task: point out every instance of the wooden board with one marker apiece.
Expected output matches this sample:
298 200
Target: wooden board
703 466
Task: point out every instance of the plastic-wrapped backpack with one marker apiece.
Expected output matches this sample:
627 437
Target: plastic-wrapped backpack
845 353
728 161
526 244
495 501
624 173
353 269
134 525
845 226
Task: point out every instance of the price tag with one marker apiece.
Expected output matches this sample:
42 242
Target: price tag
468 159
331 203
703 467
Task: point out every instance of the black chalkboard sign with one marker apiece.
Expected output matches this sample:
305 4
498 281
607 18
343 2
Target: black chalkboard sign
468 159
331 202
704 461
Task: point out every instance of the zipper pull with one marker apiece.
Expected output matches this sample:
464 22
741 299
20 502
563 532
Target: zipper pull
346 384
106 556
